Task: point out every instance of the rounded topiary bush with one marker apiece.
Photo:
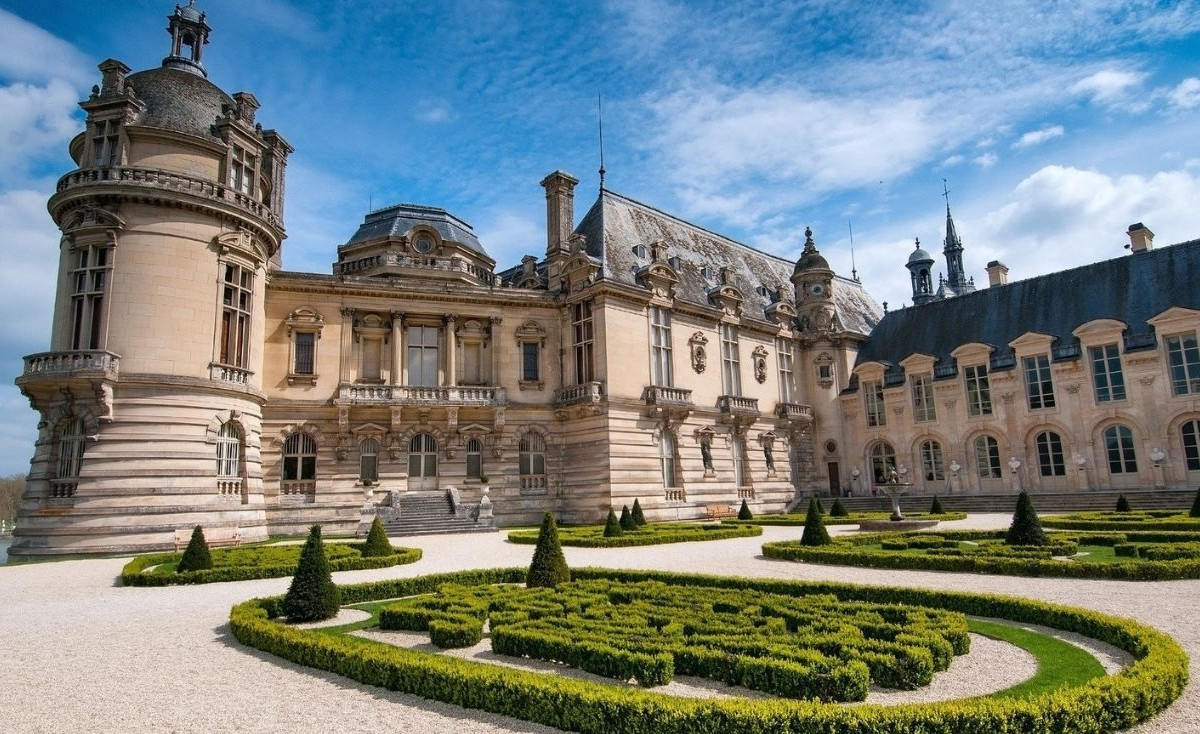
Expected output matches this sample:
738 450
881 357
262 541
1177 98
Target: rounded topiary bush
1123 504
312 596
638 518
936 507
1196 505
744 513
612 526
196 556
377 541
1026 528
626 521
814 527
838 509
549 566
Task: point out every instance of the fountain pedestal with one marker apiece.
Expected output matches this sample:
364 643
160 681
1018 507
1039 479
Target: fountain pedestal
897 522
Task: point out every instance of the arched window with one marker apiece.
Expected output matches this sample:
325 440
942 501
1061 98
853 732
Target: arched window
474 458
70 449
422 456
1118 441
666 454
229 451
1190 432
531 460
1050 454
368 460
987 457
883 461
299 457
932 466
741 468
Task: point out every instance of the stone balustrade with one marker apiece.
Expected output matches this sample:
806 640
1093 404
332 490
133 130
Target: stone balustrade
410 261
745 493
297 490
170 181
534 483
230 374
738 405
229 487
668 396
587 392
472 395
56 364
794 412
676 494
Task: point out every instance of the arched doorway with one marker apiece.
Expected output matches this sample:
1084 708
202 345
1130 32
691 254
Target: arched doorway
883 462
422 462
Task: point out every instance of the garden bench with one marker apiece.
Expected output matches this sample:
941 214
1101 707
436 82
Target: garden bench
716 512
212 536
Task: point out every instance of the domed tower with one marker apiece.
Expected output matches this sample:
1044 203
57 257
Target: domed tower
919 264
813 282
151 397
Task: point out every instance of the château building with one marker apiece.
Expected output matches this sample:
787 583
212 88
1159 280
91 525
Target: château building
191 380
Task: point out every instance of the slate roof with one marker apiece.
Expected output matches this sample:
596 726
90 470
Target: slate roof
616 224
1132 289
398 219
179 101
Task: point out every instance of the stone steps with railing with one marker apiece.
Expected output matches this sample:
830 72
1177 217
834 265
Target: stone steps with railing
432 513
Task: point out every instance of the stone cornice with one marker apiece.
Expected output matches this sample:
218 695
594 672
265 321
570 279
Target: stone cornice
293 282
156 380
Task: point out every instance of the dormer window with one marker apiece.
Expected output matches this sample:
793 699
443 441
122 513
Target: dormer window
106 140
241 170
707 273
639 251
423 243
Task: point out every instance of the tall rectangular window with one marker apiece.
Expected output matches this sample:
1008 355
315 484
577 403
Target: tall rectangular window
529 362
979 393
873 399
731 377
660 347
1038 383
89 280
422 355
472 358
922 397
236 298
584 337
306 342
1107 377
241 170
1183 356
105 142
787 385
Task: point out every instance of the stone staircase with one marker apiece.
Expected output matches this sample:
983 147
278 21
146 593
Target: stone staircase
1045 502
430 513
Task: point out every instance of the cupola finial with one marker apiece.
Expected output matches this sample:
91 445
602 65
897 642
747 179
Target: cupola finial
189 34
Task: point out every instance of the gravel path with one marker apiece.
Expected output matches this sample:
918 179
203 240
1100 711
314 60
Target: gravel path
82 654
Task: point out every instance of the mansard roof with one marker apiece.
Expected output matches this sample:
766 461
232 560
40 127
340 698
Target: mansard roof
616 225
1131 289
178 101
398 219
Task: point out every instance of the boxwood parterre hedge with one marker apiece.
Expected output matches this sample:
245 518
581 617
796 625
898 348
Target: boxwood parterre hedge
1171 555
853 518
1168 520
258 562
592 536
1141 690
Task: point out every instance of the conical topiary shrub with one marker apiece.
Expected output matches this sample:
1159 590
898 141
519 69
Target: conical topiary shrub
196 556
377 541
814 527
838 509
1026 528
612 527
1123 504
820 507
745 513
627 522
638 518
312 596
1195 505
549 566
936 507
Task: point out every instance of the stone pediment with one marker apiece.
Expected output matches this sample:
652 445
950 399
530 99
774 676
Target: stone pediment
369 429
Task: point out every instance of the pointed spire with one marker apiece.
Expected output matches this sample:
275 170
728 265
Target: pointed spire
600 120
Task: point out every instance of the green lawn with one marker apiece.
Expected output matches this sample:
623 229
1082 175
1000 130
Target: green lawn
1060 664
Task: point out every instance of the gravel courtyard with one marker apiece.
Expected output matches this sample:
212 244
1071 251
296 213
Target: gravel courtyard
80 653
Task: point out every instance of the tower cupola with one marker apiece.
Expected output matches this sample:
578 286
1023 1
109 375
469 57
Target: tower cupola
189 34
919 265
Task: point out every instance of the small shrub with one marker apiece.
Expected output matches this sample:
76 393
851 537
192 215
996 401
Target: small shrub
820 507
1123 504
1195 505
549 566
814 528
377 541
312 595
838 509
196 557
1026 529
612 526
626 521
936 508
744 513
638 517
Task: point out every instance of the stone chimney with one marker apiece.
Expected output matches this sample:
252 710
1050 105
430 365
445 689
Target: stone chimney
1141 238
113 74
560 210
997 273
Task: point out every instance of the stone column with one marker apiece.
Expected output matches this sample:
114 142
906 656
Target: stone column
347 344
397 348
451 322
494 349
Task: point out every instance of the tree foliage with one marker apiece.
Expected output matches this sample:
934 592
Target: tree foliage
1026 528
1123 504
549 565
838 509
936 508
377 541
196 556
627 522
638 517
612 526
814 527
744 513
312 595
1196 505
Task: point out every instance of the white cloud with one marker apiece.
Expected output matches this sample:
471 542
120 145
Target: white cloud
1037 137
1109 86
1186 96
987 160
31 54
36 120
507 236
434 111
953 160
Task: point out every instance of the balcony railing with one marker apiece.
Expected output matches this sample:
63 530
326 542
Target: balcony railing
738 405
62 490
56 364
676 494
668 396
422 395
534 484
745 493
588 392
229 487
794 412
230 374
294 491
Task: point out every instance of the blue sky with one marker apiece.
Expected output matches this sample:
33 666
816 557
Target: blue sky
1057 125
